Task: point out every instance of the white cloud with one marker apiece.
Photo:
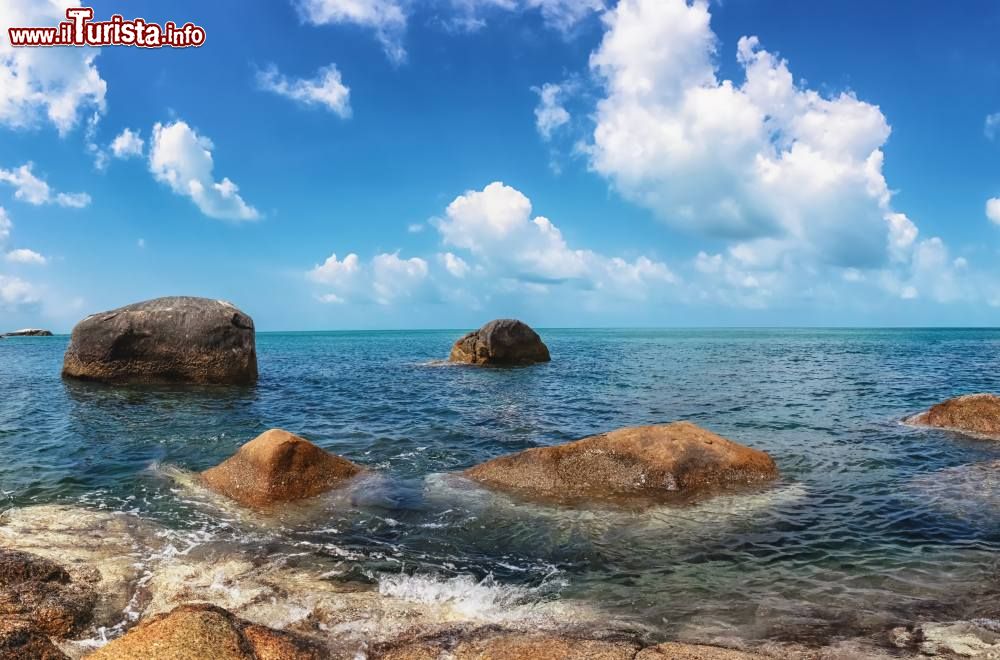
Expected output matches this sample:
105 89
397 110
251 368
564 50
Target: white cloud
386 17
127 144
325 89
395 278
415 227
992 126
993 209
762 159
182 159
141 243
549 113
384 280
54 84
15 291
29 188
454 264
25 256
496 226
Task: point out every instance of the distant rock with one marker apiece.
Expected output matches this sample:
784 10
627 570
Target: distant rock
40 594
207 631
503 342
166 340
276 467
28 332
638 461
976 414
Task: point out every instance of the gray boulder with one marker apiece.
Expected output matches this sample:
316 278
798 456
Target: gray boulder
179 339
502 342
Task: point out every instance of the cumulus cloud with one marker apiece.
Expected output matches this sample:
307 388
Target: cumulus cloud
45 84
790 180
182 159
993 210
549 113
127 144
504 249
765 159
387 18
325 89
33 190
25 256
384 280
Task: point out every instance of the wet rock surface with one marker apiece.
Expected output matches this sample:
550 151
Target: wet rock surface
206 631
177 339
278 466
21 641
655 460
503 342
974 414
41 594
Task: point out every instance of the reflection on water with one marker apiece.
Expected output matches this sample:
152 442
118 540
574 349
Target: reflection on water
873 524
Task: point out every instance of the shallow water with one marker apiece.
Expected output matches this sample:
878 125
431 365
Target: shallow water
872 524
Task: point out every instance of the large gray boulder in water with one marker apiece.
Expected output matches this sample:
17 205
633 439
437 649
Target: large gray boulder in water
179 339
501 342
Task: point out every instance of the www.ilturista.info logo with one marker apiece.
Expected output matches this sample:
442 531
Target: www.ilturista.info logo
82 30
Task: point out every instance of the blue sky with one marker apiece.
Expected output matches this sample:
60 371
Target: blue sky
330 164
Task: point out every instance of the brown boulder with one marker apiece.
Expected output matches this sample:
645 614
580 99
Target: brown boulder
278 466
638 461
977 414
178 339
41 594
192 632
503 342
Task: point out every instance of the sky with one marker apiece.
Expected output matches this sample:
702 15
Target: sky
368 164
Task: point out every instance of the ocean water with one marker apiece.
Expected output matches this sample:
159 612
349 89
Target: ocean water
872 524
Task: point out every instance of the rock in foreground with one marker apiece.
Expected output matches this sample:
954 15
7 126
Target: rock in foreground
40 594
167 340
977 414
206 631
28 332
503 342
637 461
276 467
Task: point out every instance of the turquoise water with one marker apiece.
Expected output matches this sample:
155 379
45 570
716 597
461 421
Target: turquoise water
871 525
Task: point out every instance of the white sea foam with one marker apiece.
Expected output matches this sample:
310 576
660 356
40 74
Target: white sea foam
471 598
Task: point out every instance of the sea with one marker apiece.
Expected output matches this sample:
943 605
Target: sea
872 523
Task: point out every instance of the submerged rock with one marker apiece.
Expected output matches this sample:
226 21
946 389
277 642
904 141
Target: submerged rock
207 631
636 461
167 340
28 332
500 342
976 414
41 594
278 466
